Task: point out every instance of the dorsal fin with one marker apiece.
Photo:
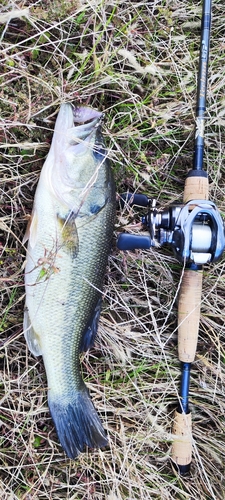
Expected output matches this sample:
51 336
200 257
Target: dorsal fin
89 336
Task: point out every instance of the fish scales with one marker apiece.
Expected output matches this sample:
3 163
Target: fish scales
70 238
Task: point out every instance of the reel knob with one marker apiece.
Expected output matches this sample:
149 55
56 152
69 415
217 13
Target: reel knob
132 241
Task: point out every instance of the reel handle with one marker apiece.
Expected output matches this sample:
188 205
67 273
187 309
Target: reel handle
141 200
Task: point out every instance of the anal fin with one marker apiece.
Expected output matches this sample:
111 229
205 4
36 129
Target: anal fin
32 338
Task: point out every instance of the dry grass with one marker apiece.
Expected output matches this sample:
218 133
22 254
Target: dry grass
137 61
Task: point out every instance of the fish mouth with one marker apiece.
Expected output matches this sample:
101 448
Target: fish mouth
84 114
86 121
82 119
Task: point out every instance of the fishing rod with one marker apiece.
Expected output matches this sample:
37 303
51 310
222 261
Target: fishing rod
195 231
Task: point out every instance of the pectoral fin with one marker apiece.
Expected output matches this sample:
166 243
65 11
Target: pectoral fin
69 233
89 336
32 338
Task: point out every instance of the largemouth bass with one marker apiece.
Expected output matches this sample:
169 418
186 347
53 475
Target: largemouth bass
70 237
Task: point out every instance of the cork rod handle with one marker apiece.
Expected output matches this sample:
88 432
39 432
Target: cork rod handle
182 444
196 187
189 304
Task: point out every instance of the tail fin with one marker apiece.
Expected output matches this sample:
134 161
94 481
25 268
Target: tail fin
77 423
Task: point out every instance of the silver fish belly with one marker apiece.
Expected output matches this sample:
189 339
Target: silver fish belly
70 237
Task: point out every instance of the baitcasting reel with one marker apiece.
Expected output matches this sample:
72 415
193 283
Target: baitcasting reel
195 230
